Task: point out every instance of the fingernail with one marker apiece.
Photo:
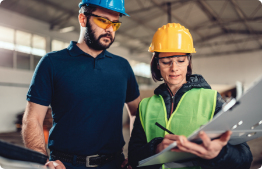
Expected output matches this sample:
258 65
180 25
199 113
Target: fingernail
201 132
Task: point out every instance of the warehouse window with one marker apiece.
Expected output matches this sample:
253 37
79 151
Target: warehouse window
141 69
23 61
6 58
28 48
6 46
142 72
7 38
38 45
59 45
23 42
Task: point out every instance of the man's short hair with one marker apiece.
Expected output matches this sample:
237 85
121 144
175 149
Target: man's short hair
88 9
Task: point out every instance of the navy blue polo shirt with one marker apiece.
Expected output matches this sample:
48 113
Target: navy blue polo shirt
87 97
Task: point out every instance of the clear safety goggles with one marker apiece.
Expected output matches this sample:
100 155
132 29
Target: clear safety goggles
104 23
167 62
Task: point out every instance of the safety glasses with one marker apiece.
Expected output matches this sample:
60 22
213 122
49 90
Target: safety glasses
180 60
103 22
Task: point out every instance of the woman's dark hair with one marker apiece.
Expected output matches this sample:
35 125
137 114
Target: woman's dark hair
156 75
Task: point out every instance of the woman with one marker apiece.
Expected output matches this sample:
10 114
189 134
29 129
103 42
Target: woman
181 104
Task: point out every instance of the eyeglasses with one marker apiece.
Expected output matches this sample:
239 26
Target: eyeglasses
104 23
180 60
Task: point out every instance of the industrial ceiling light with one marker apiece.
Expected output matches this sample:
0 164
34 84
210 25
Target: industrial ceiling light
67 29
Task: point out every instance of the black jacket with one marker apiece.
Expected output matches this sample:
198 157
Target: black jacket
230 157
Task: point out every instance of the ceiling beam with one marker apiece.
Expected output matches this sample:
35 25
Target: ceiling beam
163 9
148 8
58 21
174 7
212 25
211 14
9 4
226 53
255 11
132 37
227 42
61 21
134 26
141 22
242 16
207 38
169 17
58 7
140 3
245 32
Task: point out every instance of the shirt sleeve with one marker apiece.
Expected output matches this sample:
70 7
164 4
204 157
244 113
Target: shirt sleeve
132 91
42 84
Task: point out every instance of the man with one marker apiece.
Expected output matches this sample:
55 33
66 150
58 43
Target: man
86 87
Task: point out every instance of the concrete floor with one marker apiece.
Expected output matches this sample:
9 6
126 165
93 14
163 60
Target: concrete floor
255 145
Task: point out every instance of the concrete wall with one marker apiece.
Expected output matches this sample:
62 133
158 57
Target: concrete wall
245 67
13 89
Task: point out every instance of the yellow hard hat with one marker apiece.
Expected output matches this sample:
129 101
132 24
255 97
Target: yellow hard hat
172 37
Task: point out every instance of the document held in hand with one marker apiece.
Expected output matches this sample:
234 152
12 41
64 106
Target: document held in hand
243 117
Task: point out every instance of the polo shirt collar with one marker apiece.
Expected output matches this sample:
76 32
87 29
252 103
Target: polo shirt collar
74 51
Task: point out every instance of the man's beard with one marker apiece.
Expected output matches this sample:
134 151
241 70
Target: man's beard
94 42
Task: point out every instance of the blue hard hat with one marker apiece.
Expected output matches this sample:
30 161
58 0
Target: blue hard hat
114 5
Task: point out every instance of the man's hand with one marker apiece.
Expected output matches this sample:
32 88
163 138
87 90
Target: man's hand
124 164
55 164
207 150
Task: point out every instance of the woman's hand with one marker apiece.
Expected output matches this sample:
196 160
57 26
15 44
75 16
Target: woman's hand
168 139
207 150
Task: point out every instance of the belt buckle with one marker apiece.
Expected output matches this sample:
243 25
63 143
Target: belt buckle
88 160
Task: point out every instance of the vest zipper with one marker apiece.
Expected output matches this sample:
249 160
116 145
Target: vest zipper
172 103
172 100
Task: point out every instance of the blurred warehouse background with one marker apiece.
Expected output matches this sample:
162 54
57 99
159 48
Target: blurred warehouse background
227 36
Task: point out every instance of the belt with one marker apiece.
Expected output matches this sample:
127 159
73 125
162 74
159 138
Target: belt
89 161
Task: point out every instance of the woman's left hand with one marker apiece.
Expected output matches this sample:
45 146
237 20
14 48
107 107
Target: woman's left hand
207 150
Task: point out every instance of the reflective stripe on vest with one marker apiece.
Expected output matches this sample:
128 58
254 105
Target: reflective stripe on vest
195 108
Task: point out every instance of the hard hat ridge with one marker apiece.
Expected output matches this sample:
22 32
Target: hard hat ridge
172 37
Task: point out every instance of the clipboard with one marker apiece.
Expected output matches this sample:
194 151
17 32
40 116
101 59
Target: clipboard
243 117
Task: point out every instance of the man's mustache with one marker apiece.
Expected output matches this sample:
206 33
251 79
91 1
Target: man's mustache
106 35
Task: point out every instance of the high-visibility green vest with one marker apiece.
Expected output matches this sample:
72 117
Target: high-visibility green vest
195 108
